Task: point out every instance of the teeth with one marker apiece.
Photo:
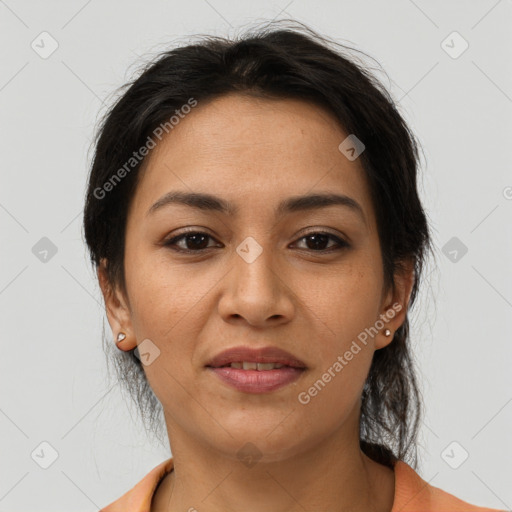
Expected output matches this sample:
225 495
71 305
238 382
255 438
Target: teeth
247 365
266 366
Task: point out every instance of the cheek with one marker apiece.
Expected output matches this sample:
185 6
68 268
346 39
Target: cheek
346 304
162 294
168 307
330 396
169 319
156 310
334 395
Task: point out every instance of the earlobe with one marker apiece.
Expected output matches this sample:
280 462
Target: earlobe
117 312
396 304
384 338
129 345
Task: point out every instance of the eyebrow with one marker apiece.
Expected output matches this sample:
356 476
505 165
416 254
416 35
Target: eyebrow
209 202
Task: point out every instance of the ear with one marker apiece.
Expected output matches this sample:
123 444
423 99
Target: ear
117 309
395 303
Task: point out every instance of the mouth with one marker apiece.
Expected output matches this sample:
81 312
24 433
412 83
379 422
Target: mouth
252 370
251 365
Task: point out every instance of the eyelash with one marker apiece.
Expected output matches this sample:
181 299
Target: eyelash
342 244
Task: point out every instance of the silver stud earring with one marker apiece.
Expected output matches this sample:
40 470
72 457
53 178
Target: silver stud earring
387 332
121 336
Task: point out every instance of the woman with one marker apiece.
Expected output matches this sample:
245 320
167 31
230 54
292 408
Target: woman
253 216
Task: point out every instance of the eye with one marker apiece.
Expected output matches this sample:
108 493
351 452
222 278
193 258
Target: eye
197 241
193 241
316 242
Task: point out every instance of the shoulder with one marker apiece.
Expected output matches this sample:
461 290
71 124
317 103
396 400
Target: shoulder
413 494
138 499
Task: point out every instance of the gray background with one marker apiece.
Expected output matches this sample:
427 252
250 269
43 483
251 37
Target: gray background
53 374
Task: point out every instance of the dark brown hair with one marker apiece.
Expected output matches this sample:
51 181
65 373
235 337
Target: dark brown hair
277 62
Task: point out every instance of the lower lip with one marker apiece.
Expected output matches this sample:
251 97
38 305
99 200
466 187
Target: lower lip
256 381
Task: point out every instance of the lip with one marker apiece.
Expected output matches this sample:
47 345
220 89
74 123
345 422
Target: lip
256 381
256 355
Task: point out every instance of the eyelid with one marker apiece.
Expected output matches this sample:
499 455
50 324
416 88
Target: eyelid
340 241
321 230
186 231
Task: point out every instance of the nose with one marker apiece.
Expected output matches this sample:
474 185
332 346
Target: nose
256 292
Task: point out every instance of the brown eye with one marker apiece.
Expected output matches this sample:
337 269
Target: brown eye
197 241
193 241
318 242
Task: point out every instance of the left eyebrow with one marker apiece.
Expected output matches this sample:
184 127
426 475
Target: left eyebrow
209 202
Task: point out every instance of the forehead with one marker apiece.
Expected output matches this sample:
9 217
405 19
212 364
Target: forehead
252 152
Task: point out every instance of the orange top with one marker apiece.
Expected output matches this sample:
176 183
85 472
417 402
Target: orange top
412 493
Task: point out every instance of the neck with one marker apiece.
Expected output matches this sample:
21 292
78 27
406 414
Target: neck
332 476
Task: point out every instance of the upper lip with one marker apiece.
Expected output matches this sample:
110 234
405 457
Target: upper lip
255 355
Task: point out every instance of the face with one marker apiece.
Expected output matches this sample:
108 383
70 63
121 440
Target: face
306 278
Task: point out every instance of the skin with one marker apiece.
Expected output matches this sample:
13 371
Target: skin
255 153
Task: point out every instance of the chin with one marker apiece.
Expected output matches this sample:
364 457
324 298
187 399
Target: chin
254 449
264 440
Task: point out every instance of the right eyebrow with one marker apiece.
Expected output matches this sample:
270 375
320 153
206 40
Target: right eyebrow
197 200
